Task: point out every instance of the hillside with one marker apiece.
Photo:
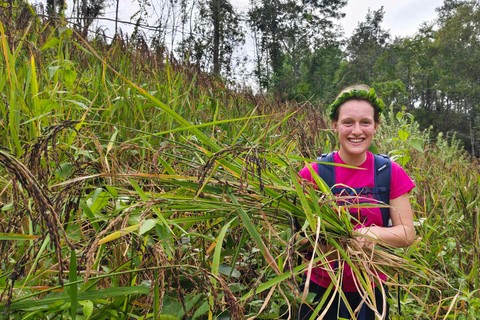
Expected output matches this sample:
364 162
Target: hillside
137 188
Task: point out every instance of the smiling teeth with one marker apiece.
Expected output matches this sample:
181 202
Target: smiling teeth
356 140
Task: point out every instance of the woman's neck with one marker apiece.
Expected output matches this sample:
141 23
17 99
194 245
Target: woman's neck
352 160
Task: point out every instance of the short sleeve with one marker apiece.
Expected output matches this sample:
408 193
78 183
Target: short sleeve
400 182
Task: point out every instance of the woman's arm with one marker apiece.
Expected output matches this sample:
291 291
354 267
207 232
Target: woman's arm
401 234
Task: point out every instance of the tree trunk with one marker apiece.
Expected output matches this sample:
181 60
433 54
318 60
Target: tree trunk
216 36
116 19
85 19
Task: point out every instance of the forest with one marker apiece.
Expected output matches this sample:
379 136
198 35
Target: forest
301 52
139 179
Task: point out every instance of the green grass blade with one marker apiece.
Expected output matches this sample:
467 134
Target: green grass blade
252 230
73 288
87 295
17 237
218 249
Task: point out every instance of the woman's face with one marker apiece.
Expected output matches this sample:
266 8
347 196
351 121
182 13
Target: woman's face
355 127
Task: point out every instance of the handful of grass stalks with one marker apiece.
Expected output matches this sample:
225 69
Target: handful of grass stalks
277 196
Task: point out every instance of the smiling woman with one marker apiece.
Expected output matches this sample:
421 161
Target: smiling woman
355 118
355 128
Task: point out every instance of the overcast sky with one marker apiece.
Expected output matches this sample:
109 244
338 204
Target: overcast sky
402 17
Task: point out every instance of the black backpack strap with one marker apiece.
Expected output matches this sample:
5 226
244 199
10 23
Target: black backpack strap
325 171
383 176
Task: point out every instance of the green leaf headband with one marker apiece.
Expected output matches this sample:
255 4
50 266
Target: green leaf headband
357 94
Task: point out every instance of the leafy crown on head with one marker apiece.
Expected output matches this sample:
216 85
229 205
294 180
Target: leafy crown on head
357 94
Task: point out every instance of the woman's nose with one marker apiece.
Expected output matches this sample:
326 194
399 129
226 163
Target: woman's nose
356 129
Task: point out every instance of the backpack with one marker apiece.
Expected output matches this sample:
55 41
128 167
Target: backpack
382 178
381 192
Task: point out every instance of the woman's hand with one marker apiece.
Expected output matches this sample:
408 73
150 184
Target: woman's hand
400 235
366 237
324 248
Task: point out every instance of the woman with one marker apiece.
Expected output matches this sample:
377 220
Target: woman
355 118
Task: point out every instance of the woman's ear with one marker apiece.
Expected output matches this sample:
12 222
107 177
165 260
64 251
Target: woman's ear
334 125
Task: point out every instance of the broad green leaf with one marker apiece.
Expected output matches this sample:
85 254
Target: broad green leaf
229 271
87 308
112 190
399 116
47 105
403 135
145 198
74 232
147 225
100 202
90 215
172 307
203 308
417 145
69 77
63 170
404 160
50 43
192 301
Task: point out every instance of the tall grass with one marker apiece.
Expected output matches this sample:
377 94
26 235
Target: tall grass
138 189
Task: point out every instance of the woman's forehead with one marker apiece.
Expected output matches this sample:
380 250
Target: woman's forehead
357 108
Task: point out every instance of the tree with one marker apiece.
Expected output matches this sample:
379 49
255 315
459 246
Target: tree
217 32
86 11
54 7
286 33
367 45
439 66
459 57
318 71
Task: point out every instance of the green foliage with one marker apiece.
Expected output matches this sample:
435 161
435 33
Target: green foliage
287 33
215 19
162 194
401 136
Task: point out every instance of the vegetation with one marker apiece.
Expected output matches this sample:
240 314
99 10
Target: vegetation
297 50
132 187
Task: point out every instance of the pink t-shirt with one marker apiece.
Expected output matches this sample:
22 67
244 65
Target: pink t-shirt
355 178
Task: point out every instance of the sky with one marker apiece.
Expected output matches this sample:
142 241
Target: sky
402 17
